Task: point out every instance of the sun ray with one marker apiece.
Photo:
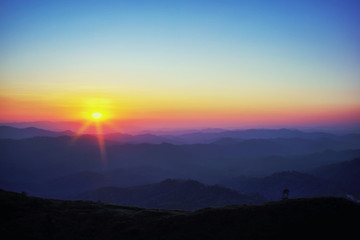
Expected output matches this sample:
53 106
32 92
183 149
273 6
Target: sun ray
96 120
100 137
81 130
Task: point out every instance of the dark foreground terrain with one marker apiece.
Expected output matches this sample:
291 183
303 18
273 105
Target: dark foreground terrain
24 217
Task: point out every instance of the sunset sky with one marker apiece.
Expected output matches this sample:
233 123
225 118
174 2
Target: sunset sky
187 63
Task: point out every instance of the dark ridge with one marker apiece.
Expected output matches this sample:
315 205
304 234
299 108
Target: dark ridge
29 132
24 217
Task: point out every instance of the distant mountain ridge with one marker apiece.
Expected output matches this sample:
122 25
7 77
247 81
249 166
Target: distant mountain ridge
207 137
337 179
345 174
171 194
29 132
141 138
188 138
61 166
299 184
41 159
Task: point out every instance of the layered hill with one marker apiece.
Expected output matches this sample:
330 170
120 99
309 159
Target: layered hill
171 194
29 132
339 179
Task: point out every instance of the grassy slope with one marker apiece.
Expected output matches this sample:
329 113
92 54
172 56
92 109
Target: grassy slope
25 217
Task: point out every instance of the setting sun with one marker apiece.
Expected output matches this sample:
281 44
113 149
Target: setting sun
96 115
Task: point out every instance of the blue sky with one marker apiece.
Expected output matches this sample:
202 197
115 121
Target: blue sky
197 50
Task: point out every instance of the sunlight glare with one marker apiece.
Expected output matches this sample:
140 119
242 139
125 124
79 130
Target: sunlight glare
96 115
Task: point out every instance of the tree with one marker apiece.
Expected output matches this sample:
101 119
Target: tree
285 194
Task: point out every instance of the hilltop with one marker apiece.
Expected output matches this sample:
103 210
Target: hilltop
171 194
26 217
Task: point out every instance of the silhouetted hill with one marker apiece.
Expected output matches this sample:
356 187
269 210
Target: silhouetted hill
219 137
43 157
299 184
29 132
345 174
141 138
266 165
338 179
26 164
25 217
207 137
65 186
171 194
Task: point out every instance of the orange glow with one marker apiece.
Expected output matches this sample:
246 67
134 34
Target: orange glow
96 116
125 113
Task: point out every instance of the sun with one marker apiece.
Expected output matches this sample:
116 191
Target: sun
96 115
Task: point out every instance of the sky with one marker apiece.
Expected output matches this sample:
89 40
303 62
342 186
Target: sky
181 64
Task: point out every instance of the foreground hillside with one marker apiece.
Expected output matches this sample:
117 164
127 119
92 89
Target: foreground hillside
35 218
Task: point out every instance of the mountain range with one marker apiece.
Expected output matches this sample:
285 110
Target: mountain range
250 166
171 194
29 132
196 137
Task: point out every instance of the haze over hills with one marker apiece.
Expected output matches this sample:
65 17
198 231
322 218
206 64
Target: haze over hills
299 184
171 194
58 155
248 161
195 137
345 174
339 179
29 132
255 161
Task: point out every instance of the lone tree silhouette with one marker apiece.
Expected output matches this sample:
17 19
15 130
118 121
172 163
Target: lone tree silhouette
285 194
